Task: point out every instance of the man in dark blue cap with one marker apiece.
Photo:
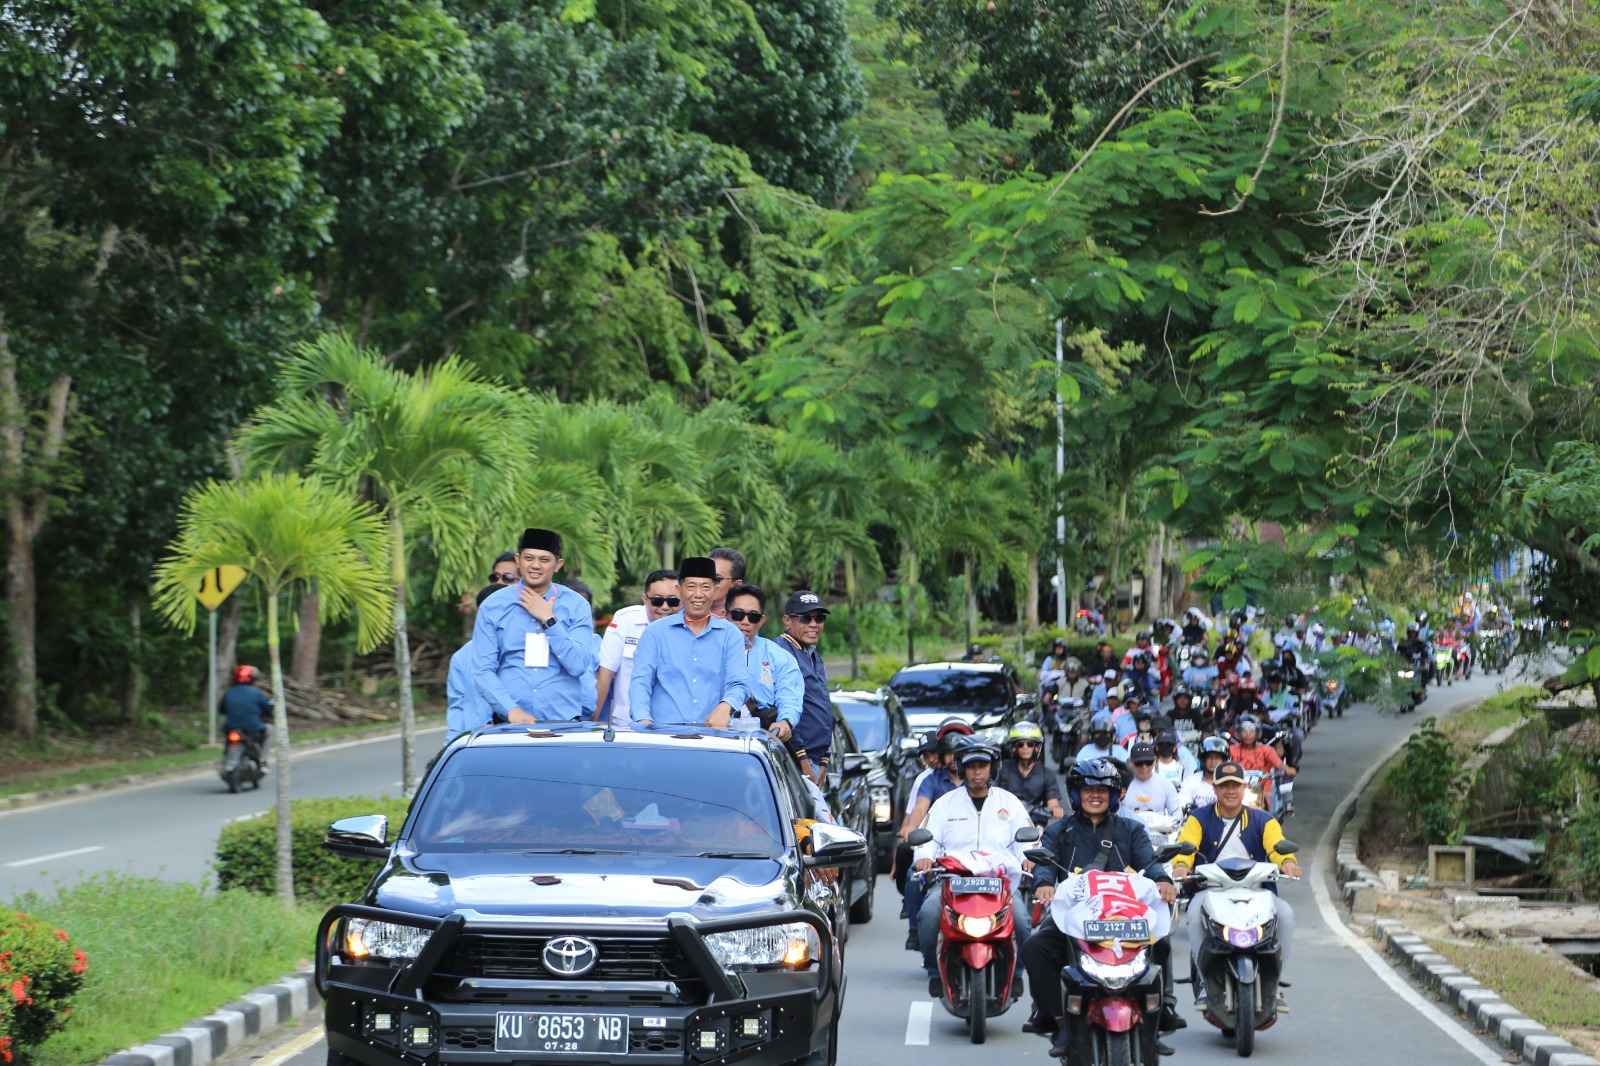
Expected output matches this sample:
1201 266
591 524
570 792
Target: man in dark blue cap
533 644
803 619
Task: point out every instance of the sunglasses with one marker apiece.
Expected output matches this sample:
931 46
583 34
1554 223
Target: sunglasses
1027 744
668 601
502 579
815 618
739 615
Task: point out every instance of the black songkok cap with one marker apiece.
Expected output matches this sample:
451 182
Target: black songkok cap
697 566
541 540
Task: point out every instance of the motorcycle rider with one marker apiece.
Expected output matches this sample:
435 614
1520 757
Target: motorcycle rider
1194 630
1023 774
246 709
1105 683
952 735
1174 761
1200 676
1227 829
1251 755
1101 740
1091 836
1415 649
1072 682
1150 791
1199 789
1142 673
980 817
1055 664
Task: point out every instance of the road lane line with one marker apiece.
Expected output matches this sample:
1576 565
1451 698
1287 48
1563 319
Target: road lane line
918 1023
1326 861
56 855
291 1049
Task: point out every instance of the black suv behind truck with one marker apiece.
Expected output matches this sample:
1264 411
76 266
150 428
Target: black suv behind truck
565 894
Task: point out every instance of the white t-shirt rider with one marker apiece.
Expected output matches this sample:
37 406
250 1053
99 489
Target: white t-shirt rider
621 640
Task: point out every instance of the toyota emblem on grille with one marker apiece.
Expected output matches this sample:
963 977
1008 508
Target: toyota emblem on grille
570 956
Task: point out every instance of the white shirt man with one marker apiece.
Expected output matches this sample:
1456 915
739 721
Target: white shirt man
1149 791
660 599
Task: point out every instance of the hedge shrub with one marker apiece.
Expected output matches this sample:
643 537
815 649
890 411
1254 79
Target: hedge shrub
40 972
247 851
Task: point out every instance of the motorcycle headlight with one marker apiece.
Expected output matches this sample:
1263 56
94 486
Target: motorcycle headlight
1408 673
795 945
976 927
1331 685
1113 974
364 939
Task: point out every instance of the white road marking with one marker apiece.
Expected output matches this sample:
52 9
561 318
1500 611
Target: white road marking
56 855
918 1023
291 1049
1331 917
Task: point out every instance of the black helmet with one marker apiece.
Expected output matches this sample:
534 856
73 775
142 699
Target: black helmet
1050 687
1094 772
974 649
976 751
1059 642
1181 690
1143 712
1143 634
1411 629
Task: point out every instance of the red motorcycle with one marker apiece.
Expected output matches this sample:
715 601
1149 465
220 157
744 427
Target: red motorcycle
977 947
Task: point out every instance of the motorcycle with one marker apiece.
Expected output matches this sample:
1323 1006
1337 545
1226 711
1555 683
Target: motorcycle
241 761
977 947
1067 730
1237 958
1263 790
1443 665
1411 679
1113 988
1333 693
1463 661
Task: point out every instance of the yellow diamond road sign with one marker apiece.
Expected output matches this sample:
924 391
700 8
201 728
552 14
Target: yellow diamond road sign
218 584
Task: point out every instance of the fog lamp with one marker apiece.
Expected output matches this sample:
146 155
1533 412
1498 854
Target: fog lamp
753 1027
383 1022
421 1036
707 1040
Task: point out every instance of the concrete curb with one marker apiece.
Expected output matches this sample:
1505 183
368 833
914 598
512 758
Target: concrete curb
33 799
208 1039
1479 1004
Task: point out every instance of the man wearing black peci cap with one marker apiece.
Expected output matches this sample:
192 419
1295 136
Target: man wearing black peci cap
690 668
533 644
803 619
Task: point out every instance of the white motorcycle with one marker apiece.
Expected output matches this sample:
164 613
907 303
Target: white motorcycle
1237 957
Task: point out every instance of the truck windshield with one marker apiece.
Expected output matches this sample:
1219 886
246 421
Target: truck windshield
609 798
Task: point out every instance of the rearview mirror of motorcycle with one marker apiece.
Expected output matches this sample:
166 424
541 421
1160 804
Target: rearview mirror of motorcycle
919 837
1285 847
1169 852
1027 835
1039 855
362 837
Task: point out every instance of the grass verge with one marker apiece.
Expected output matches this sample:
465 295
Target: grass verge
1539 986
1392 837
101 772
163 954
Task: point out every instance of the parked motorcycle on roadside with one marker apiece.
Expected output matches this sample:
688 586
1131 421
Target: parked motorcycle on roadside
977 946
1237 959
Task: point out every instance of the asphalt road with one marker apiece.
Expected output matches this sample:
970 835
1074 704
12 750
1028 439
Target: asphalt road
1348 1004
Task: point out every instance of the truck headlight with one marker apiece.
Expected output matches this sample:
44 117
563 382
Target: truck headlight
364 938
882 805
795 945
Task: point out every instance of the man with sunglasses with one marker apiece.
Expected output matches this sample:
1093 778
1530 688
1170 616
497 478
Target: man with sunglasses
730 566
803 619
689 669
773 673
659 599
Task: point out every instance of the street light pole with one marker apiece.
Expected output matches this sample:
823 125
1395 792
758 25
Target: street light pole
1061 472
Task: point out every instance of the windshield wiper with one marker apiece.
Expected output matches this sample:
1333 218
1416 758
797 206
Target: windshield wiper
572 851
733 855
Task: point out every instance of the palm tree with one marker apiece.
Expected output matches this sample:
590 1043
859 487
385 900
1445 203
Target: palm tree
912 504
838 499
286 531
434 450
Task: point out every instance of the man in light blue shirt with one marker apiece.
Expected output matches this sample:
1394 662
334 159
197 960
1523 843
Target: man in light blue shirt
465 708
773 674
533 645
689 667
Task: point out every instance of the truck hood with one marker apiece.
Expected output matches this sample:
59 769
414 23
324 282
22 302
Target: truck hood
582 886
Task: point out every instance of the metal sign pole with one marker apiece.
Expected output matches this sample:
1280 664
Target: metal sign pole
211 682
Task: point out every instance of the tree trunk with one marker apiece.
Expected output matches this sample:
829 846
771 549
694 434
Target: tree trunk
135 671
280 729
669 550
969 601
27 504
911 605
307 638
1030 612
1119 531
850 600
1155 577
402 661
228 639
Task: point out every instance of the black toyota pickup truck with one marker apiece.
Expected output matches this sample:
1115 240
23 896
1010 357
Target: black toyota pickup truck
567 894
